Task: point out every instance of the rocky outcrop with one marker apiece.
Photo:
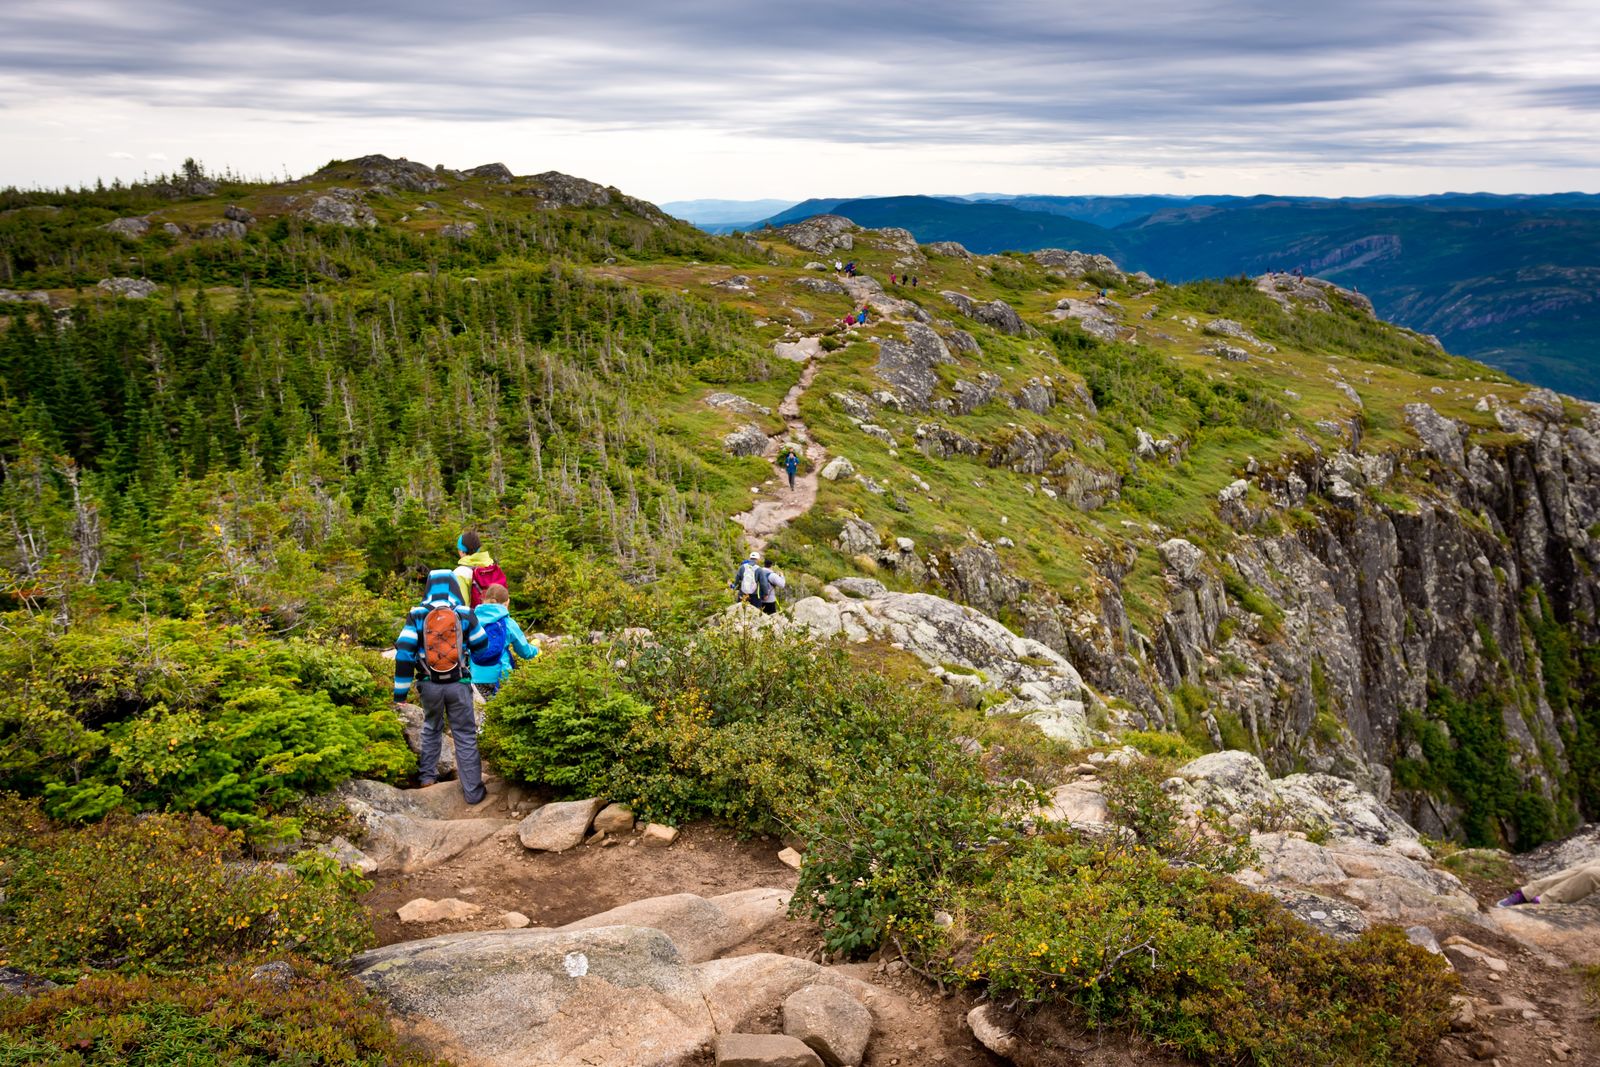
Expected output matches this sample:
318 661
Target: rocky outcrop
1229 328
821 234
735 403
342 208
966 649
1097 318
907 367
1075 264
379 170
1313 294
132 228
996 314
552 190
226 230
953 249
128 288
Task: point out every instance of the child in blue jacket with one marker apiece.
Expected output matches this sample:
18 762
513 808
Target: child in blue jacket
490 666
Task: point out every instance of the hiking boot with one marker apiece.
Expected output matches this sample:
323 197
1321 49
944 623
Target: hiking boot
1514 899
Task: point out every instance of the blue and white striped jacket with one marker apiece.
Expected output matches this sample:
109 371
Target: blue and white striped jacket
442 591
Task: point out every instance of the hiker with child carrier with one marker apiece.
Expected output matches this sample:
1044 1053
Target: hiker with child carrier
757 585
461 634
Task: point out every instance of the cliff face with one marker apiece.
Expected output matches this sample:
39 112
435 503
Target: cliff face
1360 596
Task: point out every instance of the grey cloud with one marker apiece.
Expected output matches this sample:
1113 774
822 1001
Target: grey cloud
1344 79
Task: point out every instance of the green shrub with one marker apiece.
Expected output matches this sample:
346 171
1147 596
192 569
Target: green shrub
1191 959
161 893
881 839
1162 745
312 1015
182 715
563 720
1469 759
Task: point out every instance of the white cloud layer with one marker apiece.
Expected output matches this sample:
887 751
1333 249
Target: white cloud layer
700 98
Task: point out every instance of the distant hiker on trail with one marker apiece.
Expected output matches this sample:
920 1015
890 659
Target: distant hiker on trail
1563 887
893 279
861 317
791 463
495 660
433 646
838 267
913 281
850 268
476 570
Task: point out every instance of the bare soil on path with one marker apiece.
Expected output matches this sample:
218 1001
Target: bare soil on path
777 505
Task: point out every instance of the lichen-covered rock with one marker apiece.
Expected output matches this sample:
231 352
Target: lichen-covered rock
379 170
736 404
821 234
907 366
1075 264
747 440
339 211
856 535
953 249
127 288
128 227
1440 436
836 468
226 230
1182 558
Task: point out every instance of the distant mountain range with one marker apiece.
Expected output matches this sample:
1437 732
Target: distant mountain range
1510 280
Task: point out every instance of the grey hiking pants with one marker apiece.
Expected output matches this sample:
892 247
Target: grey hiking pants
451 702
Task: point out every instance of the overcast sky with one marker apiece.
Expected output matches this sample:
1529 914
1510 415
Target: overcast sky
703 98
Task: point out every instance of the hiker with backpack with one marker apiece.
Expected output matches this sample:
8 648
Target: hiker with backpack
506 643
757 585
791 463
432 653
768 582
744 577
476 570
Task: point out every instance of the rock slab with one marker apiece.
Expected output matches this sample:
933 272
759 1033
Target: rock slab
763 1050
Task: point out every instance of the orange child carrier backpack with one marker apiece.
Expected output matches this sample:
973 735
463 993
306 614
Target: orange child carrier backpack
441 644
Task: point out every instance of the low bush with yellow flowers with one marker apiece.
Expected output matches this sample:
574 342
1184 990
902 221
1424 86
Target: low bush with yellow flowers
161 893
